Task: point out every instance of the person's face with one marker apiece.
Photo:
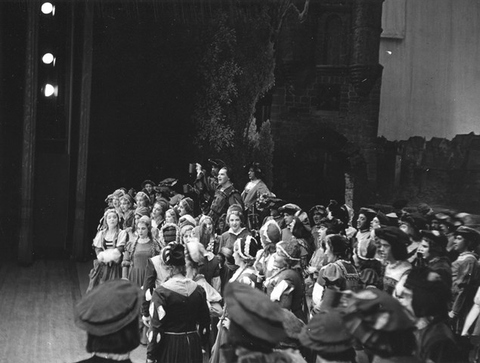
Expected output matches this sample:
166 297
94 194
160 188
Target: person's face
385 250
234 222
169 218
251 174
223 177
141 202
322 233
329 253
424 248
442 227
362 222
288 218
148 188
236 255
317 217
434 224
279 259
125 205
115 202
460 244
181 209
156 211
375 223
187 236
112 219
142 230
208 225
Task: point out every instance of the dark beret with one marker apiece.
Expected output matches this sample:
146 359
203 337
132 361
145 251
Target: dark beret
251 308
393 235
368 212
377 309
109 307
326 333
436 237
468 233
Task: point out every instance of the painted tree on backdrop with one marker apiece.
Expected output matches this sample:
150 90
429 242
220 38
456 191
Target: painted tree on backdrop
237 68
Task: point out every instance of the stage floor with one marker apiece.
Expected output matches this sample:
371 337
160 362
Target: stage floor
36 312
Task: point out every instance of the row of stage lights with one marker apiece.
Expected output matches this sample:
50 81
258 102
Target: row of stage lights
48 59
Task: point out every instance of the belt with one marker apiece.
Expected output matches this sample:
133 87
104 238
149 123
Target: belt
180 333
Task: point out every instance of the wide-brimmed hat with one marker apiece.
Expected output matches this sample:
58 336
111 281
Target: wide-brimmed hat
109 307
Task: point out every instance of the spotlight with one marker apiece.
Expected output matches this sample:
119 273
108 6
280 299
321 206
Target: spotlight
47 8
48 58
50 90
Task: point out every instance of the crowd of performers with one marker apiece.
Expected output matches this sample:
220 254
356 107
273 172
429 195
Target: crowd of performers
233 275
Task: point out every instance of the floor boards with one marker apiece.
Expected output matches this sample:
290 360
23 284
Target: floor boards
36 312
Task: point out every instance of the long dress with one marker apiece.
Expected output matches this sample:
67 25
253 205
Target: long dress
178 306
105 271
137 254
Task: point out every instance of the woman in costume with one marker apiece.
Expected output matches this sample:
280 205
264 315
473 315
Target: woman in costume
180 318
108 249
250 195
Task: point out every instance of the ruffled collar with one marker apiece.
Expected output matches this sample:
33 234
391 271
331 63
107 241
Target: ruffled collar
236 233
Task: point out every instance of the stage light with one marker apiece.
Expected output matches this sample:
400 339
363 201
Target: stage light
50 90
48 58
47 8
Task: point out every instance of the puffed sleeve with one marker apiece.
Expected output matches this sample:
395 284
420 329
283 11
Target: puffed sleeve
98 240
122 237
329 274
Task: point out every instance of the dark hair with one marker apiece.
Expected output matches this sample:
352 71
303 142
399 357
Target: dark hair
255 167
228 171
299 230
123 341
339 245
